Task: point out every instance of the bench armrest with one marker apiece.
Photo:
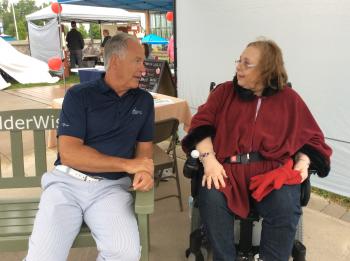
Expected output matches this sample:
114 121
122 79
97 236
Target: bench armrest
144 202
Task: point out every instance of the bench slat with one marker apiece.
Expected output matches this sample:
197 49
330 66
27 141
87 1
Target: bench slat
40 152
20 182
17 153
18 214
20 243
16 222
19 206
24 230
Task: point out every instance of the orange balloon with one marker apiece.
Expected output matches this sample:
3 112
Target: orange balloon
56 7
169 16
55 63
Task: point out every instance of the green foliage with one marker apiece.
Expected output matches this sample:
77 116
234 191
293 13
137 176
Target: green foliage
95 32
22 8
83 32
341 200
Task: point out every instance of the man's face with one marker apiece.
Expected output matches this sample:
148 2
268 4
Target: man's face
129 67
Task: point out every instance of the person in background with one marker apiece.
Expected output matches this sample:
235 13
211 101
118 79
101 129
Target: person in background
170 50
106 37
75 43
257 140
90 54
147 50
105 137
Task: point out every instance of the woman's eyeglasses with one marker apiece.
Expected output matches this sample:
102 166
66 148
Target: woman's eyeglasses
245 64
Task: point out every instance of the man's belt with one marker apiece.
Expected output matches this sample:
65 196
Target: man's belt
244 158
77 174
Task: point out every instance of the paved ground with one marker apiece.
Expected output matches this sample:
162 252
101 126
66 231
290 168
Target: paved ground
326 225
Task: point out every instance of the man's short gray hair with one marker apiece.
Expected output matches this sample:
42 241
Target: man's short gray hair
116 45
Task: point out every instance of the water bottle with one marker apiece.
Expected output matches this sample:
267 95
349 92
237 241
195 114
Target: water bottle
191 166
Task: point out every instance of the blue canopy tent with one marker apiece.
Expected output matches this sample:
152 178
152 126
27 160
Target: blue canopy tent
7 38
154 5
154 39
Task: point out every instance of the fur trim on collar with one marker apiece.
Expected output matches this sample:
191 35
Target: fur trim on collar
195 136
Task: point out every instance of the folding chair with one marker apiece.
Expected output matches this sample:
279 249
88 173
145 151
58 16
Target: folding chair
165 159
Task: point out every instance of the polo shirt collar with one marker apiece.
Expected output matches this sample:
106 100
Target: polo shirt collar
105 88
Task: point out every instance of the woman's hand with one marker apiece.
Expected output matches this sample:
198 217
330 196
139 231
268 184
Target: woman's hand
302 163
214 172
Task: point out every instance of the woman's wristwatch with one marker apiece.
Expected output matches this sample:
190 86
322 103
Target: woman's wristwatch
202 155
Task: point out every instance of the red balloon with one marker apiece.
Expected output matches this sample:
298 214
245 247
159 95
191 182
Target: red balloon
55 63
169 16
56 7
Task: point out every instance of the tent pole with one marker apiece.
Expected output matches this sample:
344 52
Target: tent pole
14 19
101 32
175 45
61 51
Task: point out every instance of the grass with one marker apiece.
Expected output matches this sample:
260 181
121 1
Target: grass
72 79
338 199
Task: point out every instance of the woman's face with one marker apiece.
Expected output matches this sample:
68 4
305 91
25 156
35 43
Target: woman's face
248 74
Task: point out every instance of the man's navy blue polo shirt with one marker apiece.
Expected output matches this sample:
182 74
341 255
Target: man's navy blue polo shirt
112 125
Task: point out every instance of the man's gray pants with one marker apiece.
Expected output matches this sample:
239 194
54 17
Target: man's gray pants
106 207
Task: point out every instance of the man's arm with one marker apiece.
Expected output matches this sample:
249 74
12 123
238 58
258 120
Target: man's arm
144 180
144 150
76 155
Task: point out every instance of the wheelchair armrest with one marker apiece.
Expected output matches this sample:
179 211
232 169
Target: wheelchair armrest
191 167
305 192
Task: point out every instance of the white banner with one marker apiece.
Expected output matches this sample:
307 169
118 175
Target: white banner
44 40
315 39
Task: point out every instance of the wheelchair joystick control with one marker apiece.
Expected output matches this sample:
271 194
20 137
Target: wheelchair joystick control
191 166
195 154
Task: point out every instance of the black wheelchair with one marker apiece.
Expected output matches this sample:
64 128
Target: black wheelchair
247 231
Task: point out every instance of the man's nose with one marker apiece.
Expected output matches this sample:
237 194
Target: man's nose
142 67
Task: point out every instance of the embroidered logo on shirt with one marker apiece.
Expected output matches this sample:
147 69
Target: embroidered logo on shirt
136 112
65 124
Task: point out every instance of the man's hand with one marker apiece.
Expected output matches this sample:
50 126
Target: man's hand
143 181
213 173
140 165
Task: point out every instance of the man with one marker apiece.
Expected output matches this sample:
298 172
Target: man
105 137
106 36
90 54
75 45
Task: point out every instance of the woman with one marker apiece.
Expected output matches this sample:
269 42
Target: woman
247 133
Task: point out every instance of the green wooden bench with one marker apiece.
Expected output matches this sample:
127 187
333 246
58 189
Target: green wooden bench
17 214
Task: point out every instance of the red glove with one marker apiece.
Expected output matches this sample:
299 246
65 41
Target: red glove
263 184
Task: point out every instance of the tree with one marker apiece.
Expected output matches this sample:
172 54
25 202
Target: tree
95 32
83 31
22 8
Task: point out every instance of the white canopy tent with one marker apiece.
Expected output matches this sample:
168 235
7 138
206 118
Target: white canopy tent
21 67
44 40
86 14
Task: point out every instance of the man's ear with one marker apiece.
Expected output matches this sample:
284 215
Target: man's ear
114 61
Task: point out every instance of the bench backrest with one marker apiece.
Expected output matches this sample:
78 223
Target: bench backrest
15 122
